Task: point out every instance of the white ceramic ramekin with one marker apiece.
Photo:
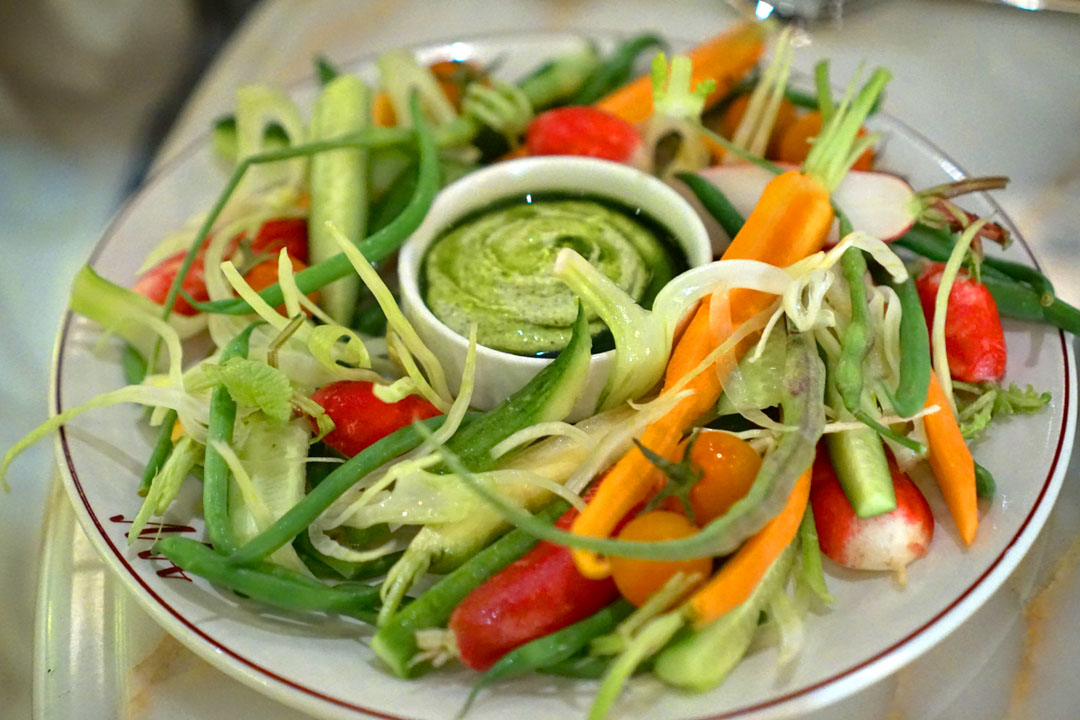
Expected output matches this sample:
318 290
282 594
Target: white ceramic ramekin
499 374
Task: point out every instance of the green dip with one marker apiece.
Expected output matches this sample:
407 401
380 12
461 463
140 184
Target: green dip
494 268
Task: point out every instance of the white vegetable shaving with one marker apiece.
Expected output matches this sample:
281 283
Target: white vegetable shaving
394 317
535 432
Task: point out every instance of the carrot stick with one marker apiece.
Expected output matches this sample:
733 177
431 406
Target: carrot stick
742 572
726 57
951 462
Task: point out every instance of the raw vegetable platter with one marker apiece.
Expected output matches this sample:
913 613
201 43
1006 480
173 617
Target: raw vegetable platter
325 667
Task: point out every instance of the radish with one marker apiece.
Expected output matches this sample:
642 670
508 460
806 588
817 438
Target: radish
885 542
882 204
504 612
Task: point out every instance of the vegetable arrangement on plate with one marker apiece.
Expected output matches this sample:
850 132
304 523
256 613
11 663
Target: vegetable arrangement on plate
766 412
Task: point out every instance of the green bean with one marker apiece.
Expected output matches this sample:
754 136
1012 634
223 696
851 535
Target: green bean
215 469
586 667
936 244
325 70
554 649
858 336
162 447
1014 298
372 137
715 202
375 247
984 482
271 584
395 642
134 365
614 71
342 569
911 390
303 513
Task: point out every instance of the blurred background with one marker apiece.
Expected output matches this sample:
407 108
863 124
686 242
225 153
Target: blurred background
89 91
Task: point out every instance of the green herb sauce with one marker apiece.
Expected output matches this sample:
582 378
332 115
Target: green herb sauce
493 267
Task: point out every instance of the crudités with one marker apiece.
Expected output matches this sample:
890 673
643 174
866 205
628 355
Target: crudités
493 267
432 497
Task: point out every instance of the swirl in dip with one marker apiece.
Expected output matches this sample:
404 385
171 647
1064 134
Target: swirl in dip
494 267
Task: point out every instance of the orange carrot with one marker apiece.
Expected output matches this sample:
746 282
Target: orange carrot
791 220
794 142
742 572
726 57
951 462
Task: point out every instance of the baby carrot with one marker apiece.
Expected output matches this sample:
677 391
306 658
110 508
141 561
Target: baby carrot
951 462
725 57
741 573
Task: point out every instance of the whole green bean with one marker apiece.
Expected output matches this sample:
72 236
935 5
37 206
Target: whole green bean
1015 299
215 469
162 447
615 70
271 584
586 667
299 516
375 247
343 569
715 202
984 482
553 649
858 336
911 390
395 642
937 243
134 365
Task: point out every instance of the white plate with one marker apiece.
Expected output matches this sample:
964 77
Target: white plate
324 667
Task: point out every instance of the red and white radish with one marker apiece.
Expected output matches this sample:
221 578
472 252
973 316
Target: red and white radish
504 612
886 542
879 203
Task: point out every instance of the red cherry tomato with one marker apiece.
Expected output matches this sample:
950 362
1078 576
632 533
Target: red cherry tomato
361 419
155 283
290 233
273 235
582 130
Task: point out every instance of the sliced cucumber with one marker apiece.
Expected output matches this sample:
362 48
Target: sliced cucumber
338 187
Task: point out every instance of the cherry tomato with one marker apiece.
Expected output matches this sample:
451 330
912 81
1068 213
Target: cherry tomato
272 236
290 233
638 579
728 465
582 130
361 419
